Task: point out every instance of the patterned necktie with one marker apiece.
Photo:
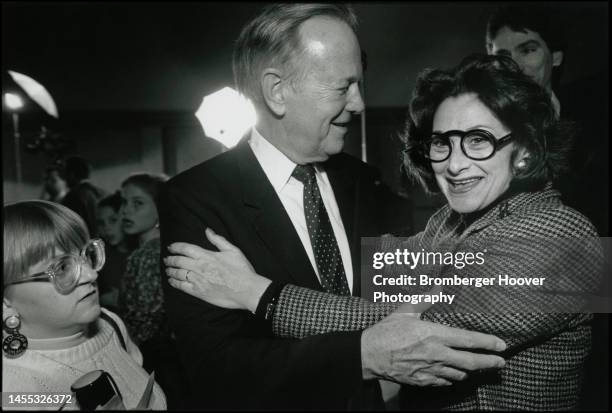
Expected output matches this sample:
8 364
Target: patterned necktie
326 251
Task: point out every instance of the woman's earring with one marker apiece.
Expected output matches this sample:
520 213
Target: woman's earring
522 164
15 343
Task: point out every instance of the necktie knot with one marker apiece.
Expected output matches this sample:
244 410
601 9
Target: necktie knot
304 173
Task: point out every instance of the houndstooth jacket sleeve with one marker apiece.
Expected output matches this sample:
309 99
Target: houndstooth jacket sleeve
546 349
302 312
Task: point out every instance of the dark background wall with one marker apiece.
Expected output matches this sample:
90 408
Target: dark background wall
160 56
127 77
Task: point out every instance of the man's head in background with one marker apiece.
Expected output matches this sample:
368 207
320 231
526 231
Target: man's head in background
54 180
533 37
76 169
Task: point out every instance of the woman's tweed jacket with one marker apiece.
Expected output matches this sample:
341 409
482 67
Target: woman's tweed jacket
546 350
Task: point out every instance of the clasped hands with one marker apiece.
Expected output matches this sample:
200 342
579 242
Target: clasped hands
399 348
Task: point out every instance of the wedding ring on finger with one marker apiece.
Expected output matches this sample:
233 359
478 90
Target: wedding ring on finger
187 276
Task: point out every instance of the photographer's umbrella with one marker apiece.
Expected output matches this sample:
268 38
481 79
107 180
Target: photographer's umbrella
36 92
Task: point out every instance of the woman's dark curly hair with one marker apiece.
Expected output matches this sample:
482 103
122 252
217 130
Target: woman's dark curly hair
521 105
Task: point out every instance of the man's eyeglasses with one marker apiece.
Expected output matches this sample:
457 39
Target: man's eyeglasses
65 271
476 144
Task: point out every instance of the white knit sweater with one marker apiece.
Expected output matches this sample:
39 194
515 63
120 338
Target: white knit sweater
53 371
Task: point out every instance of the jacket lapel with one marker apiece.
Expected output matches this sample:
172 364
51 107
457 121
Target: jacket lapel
513 204
271 222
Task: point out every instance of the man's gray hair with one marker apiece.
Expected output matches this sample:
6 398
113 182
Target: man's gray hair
272 40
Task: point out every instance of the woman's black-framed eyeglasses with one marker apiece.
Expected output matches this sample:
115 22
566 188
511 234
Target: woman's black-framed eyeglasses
476 144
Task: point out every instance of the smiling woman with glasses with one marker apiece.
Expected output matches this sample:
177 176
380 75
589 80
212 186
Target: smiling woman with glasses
54 328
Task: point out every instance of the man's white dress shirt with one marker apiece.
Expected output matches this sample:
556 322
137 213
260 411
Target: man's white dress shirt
278 168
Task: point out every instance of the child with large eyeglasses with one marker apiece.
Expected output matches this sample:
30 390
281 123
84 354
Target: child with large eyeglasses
54 328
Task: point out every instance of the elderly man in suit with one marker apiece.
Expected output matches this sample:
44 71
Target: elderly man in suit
297 207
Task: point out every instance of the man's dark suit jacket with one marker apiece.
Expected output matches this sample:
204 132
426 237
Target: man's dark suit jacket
232 359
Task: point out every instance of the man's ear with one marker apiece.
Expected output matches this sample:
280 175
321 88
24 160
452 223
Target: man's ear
273 85
557 59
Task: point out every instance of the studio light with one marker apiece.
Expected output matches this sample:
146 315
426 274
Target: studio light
226 115
13 101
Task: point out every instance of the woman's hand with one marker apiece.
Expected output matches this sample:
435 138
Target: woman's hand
225 278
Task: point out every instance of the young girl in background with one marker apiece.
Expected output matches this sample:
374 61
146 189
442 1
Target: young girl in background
141 301
118 247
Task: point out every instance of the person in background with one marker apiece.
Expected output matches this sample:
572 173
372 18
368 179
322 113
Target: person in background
118 247
83 195
475 134
55 186
141 300
54 328
531 36
534 37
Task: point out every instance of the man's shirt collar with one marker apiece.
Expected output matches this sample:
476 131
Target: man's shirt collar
277 167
